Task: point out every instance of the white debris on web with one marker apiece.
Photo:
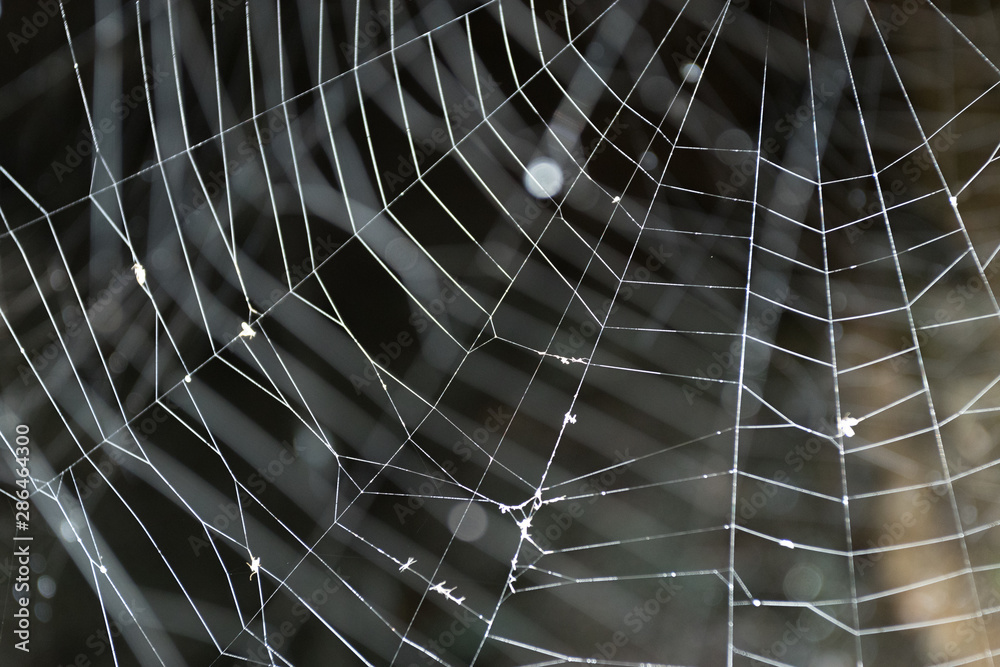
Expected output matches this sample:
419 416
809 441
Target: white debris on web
525 525
140 273
254 565
447 592
846 424
564 359
636 346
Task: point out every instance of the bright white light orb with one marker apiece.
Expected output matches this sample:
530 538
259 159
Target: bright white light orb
803 583
691 73
46 586
467 521
544 178
736 140
402 254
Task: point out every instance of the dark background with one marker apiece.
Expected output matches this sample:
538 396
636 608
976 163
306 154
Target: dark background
270 168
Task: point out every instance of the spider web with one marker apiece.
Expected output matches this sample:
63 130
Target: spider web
444 333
